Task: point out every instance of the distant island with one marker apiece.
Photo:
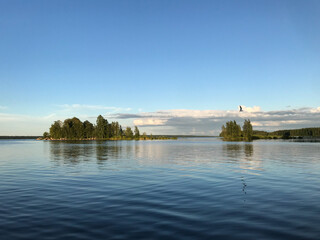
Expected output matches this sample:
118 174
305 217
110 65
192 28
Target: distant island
74 129
231 131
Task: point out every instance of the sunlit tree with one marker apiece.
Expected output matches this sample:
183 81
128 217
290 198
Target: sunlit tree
56 130
247 130
128 132
88 129
136 132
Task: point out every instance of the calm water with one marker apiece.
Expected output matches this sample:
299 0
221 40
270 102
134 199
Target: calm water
184 189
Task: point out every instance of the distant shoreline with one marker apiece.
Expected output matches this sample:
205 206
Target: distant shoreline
155 136
109 139
19 137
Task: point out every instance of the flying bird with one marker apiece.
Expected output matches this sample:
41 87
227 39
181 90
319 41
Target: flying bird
240 109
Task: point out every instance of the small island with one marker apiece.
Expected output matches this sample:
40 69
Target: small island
231 131
74 129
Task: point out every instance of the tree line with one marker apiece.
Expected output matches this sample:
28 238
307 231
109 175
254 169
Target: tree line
292 133
74 129
232 131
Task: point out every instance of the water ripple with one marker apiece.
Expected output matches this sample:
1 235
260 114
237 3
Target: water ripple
186 189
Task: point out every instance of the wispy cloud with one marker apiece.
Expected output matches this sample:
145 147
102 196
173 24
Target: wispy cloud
3 107
24 118
91 107
24 124
19 124
149 122
88 111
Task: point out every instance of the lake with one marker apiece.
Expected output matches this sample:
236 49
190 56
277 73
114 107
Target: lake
192 188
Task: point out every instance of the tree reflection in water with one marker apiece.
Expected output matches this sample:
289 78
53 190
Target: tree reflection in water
243 154
76 152
248 150
152 153
101 152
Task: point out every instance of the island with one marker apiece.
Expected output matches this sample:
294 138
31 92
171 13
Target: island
75 129
231 131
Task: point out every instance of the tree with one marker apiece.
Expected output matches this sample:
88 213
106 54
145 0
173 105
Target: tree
115 129
72 128
46 135
56 130
286 135
232 131
223 131
121 132
128 132
247 130
136 132
101 128
88 129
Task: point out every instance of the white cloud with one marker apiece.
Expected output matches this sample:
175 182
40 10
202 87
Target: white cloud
174 121
251 109
3 107
315 110
149 122
205 121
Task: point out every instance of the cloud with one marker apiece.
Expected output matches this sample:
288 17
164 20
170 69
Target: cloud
185 121
149 122
22 118
73 107
86 111
24 125
251 109
174 121
315 110
3 107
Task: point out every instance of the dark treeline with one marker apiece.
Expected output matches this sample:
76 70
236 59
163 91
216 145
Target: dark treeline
232 131
292 133
74 129
19 137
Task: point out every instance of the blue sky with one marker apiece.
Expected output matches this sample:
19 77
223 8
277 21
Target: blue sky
61 59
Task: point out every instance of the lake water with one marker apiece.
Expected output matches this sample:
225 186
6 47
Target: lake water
195 188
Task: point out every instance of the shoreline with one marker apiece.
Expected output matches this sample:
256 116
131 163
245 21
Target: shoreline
108 139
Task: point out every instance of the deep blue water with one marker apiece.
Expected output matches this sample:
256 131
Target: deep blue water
197 188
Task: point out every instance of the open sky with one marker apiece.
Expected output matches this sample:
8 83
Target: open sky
170 67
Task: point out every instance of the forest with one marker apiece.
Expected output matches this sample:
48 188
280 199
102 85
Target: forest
290 133
74 129
231 131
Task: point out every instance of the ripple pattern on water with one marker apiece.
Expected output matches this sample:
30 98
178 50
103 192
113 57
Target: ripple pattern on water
185 189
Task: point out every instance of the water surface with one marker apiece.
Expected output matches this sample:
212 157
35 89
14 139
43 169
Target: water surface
196 188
